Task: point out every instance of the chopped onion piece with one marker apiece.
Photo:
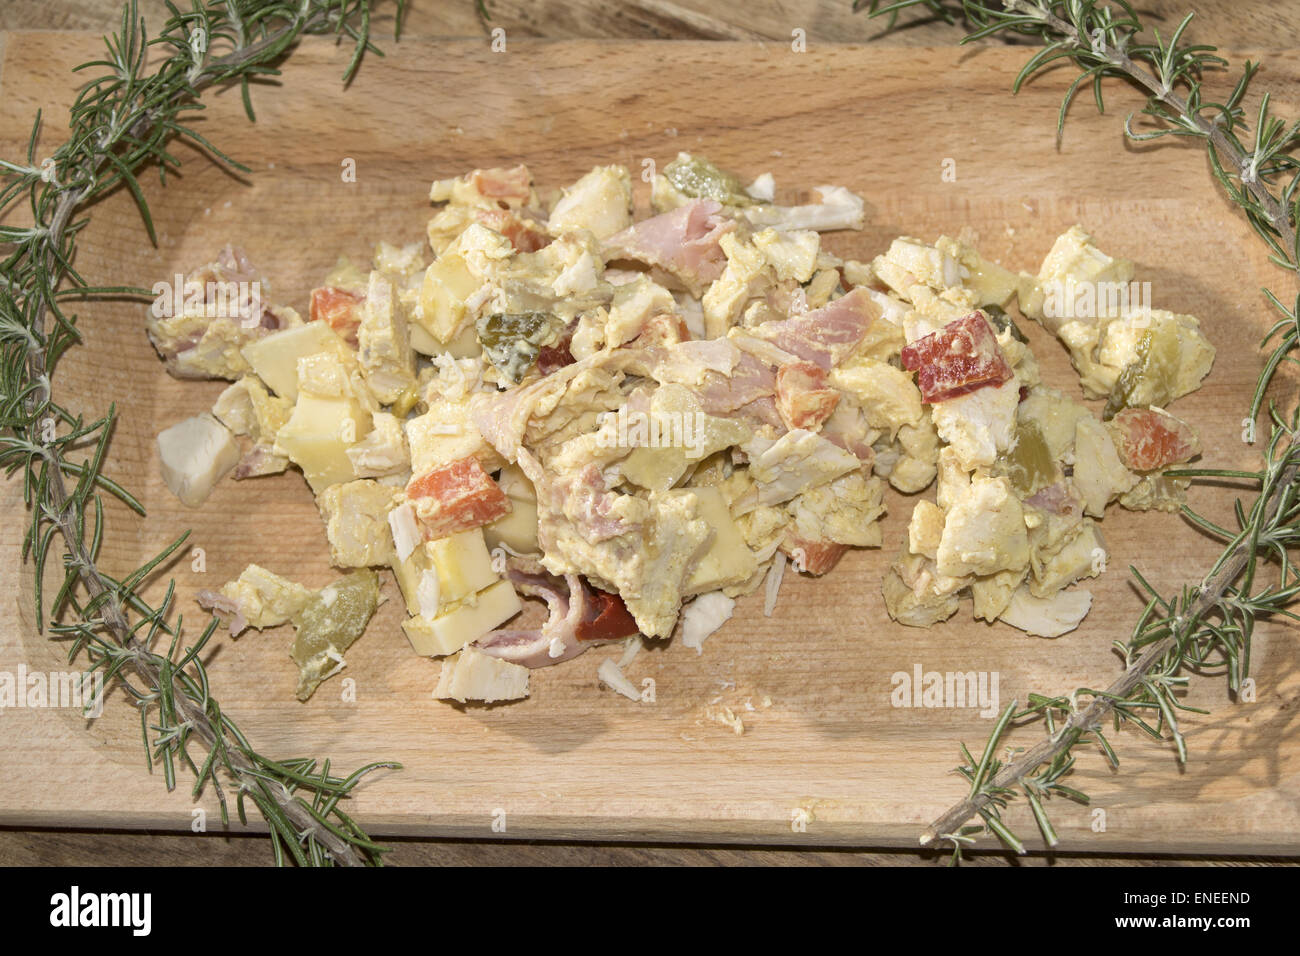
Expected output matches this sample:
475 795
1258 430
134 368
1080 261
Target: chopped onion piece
428 593
609 672
703 616
773 588
406 534
764 188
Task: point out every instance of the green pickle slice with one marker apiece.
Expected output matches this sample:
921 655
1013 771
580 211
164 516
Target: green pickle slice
1149 379
512 341
698 178
1029 465
330 623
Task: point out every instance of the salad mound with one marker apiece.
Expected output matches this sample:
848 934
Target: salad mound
637 422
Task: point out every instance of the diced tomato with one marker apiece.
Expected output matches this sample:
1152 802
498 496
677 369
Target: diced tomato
1148 439
803 399
522 236
609 619
960 358
340 308
501 183
456 497
814 557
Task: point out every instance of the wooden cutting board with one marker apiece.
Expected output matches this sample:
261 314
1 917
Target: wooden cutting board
822 741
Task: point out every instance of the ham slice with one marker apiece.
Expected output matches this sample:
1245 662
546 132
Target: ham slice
580 617
827 335
456 497
803 398
960 358
684 242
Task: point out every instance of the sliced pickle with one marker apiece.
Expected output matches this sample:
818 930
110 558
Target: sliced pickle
1149 379
512 341
1000 321
1029 465
329 624
698 178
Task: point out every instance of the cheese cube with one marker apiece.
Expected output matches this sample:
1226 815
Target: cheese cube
447 284
518 529
446 433
728 559
465 623
318 435
463 563
275 357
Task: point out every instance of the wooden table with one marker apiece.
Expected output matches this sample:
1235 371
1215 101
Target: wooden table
1242 24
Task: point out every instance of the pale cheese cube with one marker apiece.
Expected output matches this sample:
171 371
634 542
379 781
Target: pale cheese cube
318 435
463 564
465 623
518 529
446 433
275 357
727 560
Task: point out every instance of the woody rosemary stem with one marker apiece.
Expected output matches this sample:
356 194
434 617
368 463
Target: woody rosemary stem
1091 717
1278 215
120 128
115 619
1102 45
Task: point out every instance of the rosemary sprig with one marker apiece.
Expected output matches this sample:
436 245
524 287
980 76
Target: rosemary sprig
124 120
1207 626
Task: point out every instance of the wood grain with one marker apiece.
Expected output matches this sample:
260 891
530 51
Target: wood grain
576 762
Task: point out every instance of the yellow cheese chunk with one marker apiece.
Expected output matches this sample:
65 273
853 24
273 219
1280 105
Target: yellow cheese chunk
448 633
518 529
318 435
275 357
447 284
728 559
463 563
